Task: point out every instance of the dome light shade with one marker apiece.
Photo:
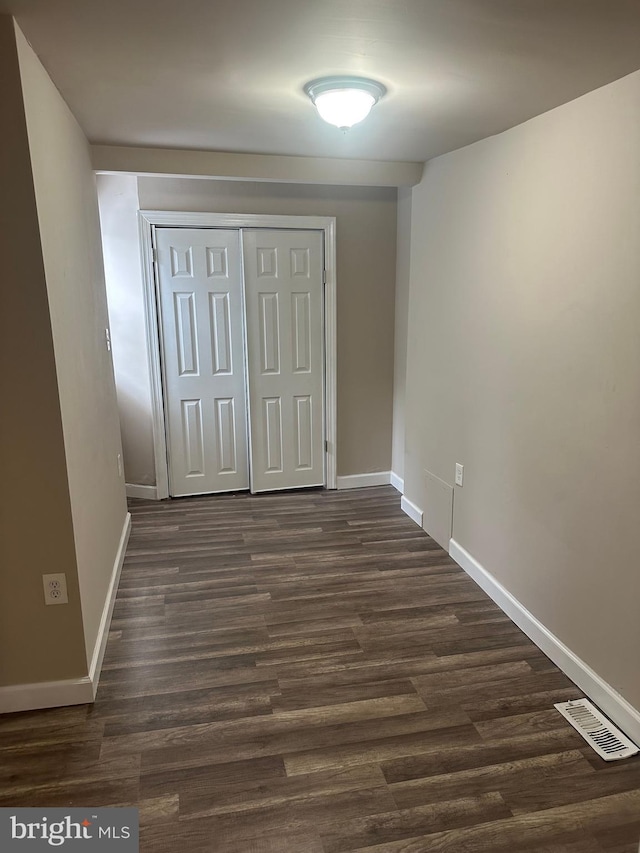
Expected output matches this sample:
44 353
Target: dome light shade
344 101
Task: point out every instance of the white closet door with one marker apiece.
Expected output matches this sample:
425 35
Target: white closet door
283 298
200 283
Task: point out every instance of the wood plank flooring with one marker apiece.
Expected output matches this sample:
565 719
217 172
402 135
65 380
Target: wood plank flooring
310 673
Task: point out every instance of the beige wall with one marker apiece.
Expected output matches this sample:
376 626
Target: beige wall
366 246
37 643
118 198
235 165
523 357
70 236
403 263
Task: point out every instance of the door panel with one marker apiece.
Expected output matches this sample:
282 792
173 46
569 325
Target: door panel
184 312
284 303
220 324
200 289
301 332
193 439
303 433
269 332
272 427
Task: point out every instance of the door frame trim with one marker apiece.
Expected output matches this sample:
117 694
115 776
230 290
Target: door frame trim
147 221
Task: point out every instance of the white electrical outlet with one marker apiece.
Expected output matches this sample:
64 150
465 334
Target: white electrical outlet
55 589
120 464
107 336
459 474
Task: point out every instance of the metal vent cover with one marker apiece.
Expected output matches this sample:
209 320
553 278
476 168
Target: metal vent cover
603 736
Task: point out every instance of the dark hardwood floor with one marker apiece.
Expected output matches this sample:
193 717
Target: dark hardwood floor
311 673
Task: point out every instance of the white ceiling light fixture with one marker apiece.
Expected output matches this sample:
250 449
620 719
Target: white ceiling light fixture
344 101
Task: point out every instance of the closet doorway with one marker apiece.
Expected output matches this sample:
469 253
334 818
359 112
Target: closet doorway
241 339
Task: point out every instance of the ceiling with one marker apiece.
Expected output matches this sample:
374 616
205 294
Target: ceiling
227 75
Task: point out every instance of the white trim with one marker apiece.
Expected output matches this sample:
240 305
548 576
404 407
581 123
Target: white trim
46 694
149 493
153 355
397 482
363 481
147 220
414 512
596 688
107 612
331 353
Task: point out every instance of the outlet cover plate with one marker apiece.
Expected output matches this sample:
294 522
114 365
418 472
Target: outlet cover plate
55 588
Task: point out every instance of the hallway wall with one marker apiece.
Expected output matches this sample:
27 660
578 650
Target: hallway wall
523 357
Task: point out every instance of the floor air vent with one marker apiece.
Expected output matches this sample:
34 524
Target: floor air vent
603 736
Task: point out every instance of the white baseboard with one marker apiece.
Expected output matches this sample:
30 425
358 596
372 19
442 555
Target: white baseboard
362 481
615 706
414 512
397 482
46 694
107 612
149 493
71 691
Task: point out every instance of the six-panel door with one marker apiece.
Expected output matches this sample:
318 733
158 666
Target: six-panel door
284 304
200 290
